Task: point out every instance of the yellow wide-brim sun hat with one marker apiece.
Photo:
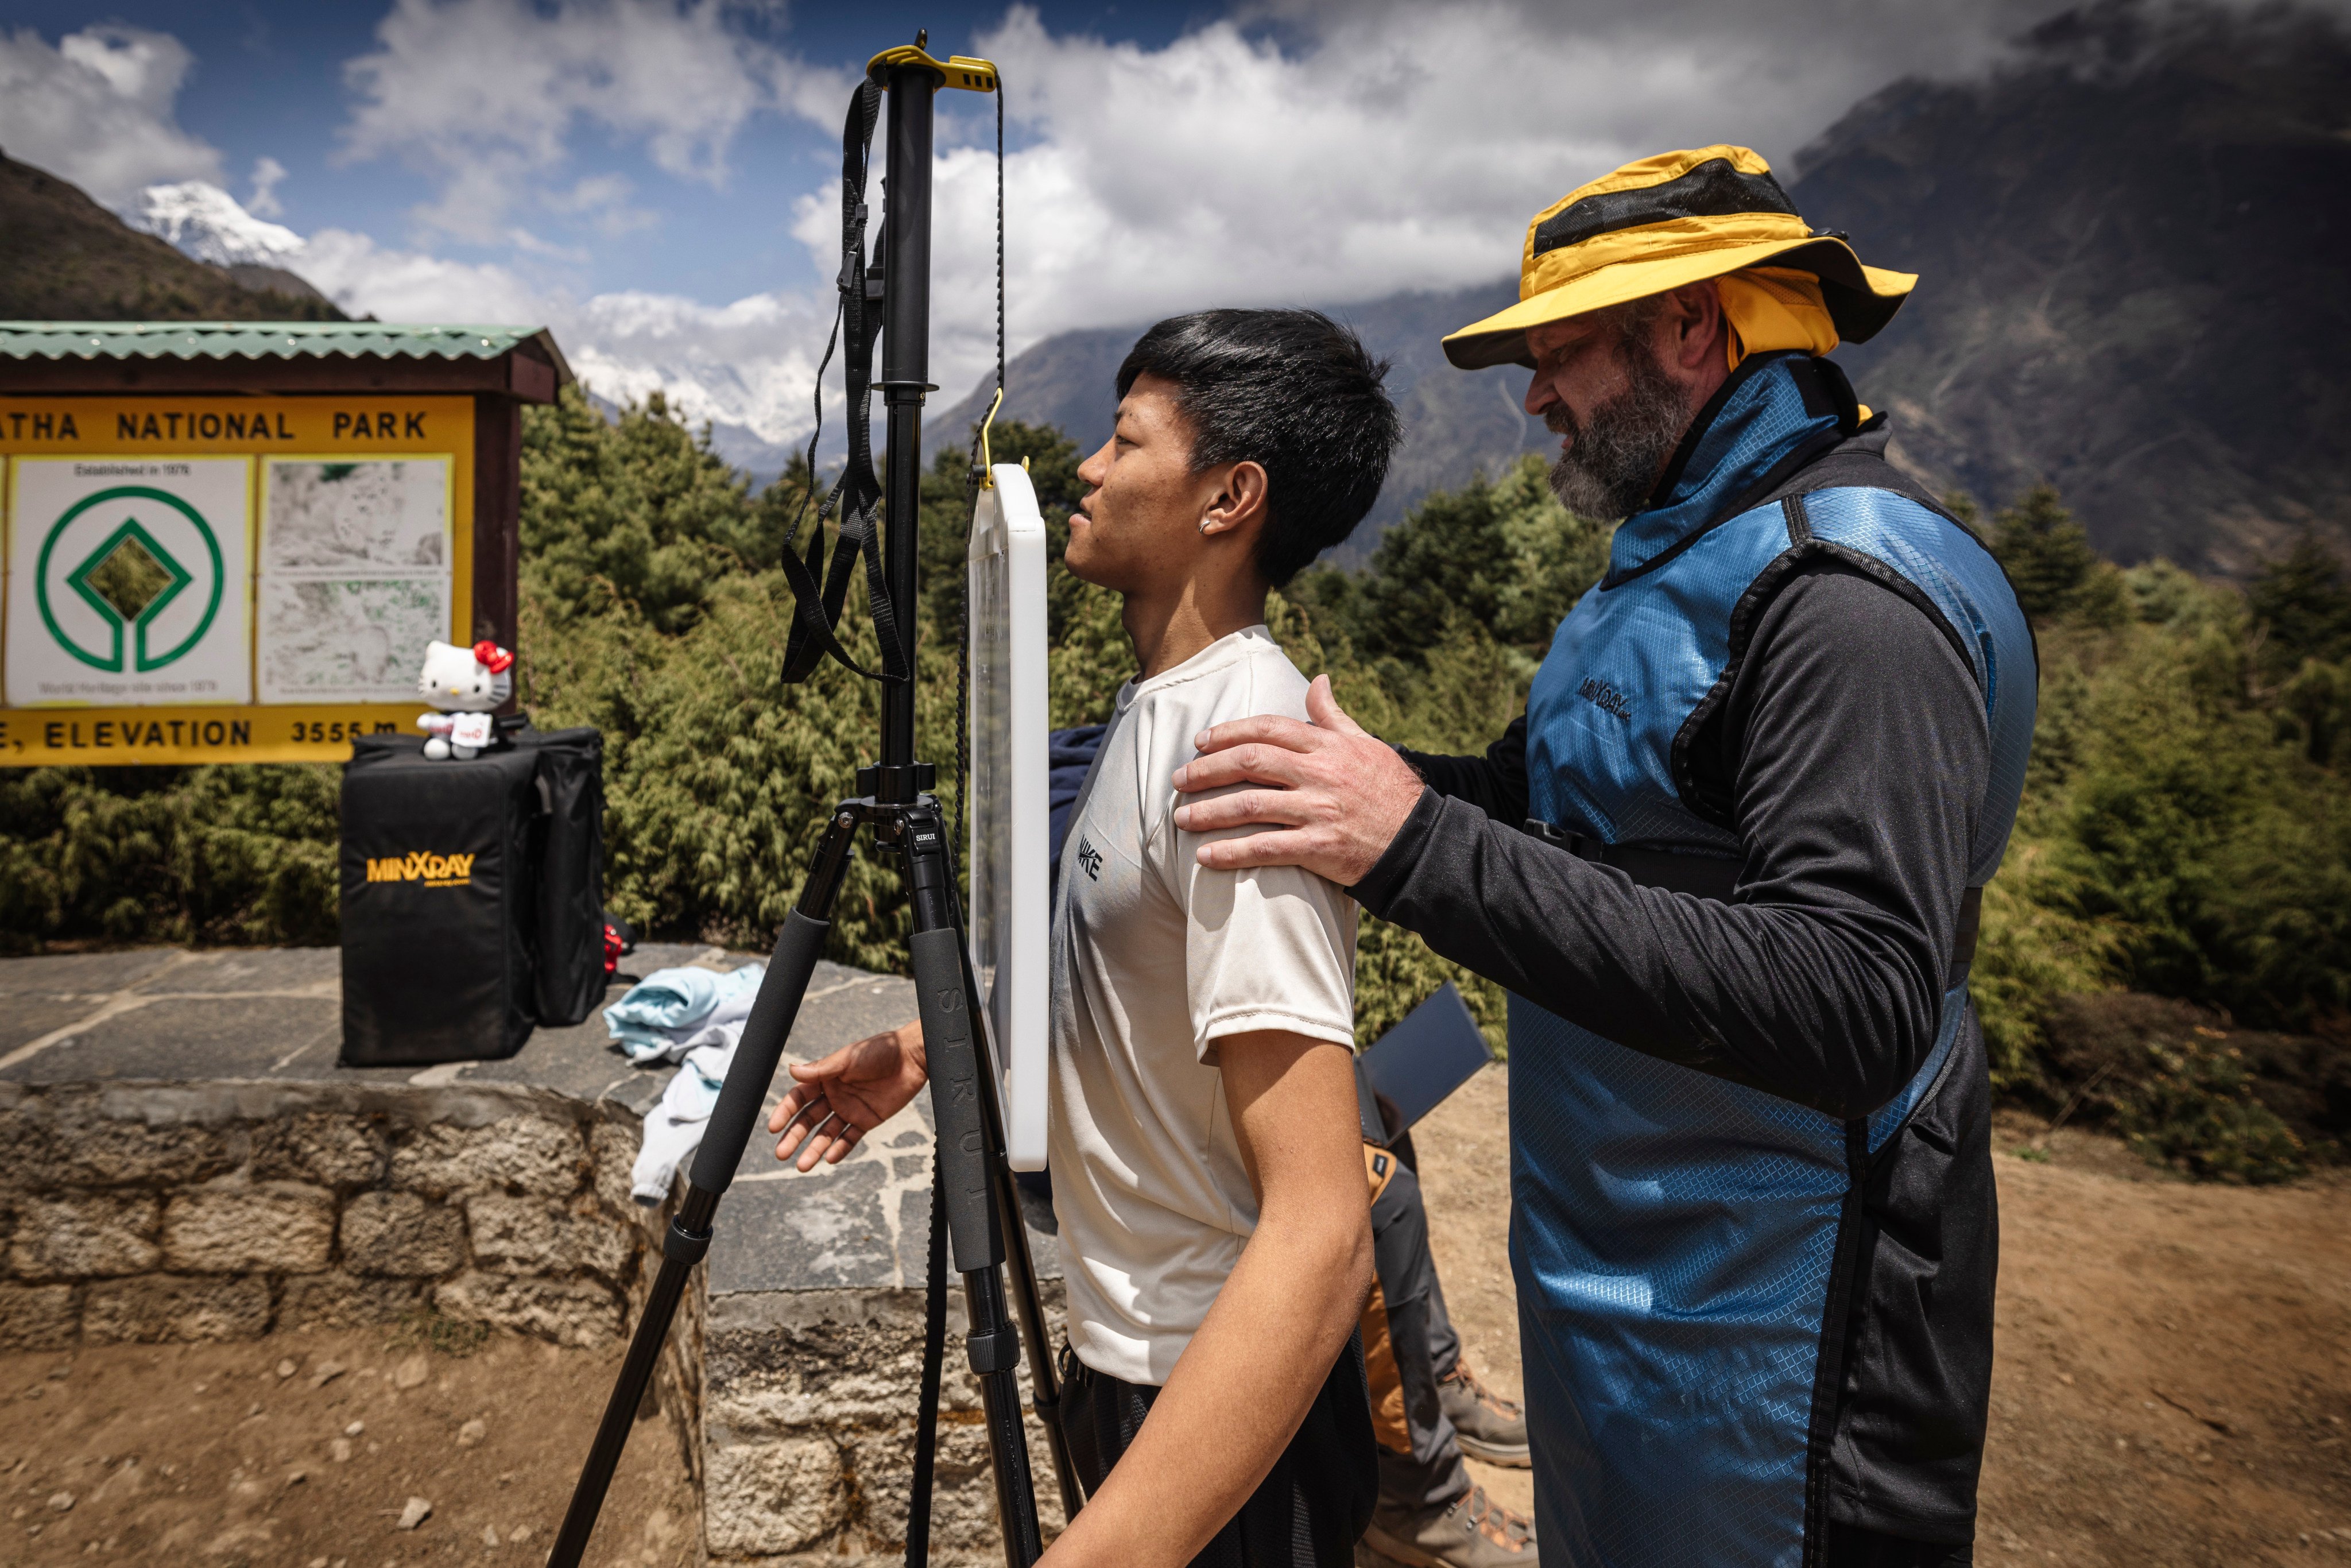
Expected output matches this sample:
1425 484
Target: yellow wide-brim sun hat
1660 223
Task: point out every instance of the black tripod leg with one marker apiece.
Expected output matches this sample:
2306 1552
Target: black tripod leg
992 1346
732 1120
934 1339
1043 1379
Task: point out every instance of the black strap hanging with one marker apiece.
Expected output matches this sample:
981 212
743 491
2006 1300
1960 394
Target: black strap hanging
857 494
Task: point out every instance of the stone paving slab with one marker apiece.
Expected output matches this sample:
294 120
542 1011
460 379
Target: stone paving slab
23 1019
180 1036
83 974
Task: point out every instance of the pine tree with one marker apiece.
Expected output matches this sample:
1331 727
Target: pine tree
2046 553
2305 604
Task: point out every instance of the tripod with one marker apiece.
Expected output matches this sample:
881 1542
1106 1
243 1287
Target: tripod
973 1191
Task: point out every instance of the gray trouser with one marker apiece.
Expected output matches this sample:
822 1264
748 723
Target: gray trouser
1408 1345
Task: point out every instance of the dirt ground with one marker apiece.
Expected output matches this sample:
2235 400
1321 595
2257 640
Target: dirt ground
2172 1383
304 1450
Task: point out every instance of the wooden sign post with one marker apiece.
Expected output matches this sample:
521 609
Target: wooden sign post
231 543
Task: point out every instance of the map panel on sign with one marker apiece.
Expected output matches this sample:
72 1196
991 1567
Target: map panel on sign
355 577
127 582
351 519
347 638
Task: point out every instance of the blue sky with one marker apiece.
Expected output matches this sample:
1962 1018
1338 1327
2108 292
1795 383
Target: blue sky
269 79
653 178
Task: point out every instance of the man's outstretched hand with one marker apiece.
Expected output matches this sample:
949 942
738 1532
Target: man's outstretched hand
1335 795
838 1100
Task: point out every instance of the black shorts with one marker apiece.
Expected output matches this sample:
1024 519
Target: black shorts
1313 1506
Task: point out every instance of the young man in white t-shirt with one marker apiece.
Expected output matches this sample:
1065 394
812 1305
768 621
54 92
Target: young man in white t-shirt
1209 1173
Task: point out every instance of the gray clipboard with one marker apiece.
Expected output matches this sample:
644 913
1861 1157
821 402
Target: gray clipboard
1433 1052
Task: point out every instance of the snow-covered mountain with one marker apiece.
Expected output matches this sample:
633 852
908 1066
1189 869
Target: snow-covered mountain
203 221
745 367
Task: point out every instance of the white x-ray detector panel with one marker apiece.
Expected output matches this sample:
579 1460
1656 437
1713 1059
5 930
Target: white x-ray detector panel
1010 810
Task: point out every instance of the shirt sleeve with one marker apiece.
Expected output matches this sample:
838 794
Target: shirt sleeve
1272 948
1495 783
1857 756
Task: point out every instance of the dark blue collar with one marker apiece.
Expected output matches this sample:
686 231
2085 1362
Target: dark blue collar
1776 412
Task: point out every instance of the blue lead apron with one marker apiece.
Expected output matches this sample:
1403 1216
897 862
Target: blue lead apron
1675 1235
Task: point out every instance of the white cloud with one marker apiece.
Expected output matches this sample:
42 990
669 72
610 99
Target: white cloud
747 364
98 110
1310 151
267 173
366 278
1326 154
485 95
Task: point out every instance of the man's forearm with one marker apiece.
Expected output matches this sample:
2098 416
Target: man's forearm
1828 1008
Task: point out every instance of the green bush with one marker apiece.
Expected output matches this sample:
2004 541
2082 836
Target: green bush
215 853
2195 1110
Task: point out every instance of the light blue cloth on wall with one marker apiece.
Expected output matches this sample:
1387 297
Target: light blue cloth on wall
674 1130
660 1012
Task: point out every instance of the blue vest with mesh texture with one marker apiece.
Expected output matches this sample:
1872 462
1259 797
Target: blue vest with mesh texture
1674 1234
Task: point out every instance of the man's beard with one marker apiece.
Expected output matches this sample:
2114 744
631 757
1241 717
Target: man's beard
1613 459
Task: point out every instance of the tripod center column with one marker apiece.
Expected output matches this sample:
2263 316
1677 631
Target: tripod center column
906 375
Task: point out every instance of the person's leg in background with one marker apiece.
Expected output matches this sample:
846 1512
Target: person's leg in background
1429 1512
1488 1427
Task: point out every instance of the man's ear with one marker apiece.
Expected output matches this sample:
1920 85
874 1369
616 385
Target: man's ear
1697 324
1239 504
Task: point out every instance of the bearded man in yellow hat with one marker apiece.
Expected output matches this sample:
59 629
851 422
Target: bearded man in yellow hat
1728 865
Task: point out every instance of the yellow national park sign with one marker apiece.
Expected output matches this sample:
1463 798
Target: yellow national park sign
194 579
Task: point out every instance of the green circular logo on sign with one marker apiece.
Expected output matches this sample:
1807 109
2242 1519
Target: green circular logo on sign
128 580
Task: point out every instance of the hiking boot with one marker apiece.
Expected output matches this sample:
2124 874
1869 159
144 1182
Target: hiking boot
1468 1532
1490 1428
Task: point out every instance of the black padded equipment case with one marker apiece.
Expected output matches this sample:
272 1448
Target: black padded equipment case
569 930
471 896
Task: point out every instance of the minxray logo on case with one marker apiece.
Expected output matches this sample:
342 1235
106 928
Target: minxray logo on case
433 871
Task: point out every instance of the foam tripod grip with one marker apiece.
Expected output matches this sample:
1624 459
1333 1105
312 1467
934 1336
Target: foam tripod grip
743 1099
954 1101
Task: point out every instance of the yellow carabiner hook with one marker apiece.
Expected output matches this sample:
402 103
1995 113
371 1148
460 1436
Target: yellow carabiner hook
987 464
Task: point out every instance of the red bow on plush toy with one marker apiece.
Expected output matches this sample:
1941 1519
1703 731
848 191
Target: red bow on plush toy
492 657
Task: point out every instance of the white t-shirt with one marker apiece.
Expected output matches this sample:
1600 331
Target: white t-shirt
1155 957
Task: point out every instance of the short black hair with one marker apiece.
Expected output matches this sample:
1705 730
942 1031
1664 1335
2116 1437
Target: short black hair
1294 391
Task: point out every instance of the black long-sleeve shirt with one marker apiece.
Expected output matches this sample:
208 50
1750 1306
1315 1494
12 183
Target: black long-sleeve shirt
1850 758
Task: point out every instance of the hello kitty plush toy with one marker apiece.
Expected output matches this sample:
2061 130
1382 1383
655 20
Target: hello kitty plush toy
464 684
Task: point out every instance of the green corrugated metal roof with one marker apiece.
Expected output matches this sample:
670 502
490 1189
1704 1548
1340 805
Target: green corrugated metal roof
264 339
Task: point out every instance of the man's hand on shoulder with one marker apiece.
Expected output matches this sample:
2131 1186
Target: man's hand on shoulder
1334 795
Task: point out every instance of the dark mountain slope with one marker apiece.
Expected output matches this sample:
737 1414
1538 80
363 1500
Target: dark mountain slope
63 257
1455 425
2131 249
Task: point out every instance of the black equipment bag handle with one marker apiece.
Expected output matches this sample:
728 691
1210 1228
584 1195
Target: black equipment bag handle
857 494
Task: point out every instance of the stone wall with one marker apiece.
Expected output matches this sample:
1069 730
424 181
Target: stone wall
154 1211
225 1210
808 1430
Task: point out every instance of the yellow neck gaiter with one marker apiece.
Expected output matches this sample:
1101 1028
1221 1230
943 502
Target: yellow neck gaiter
1774 308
